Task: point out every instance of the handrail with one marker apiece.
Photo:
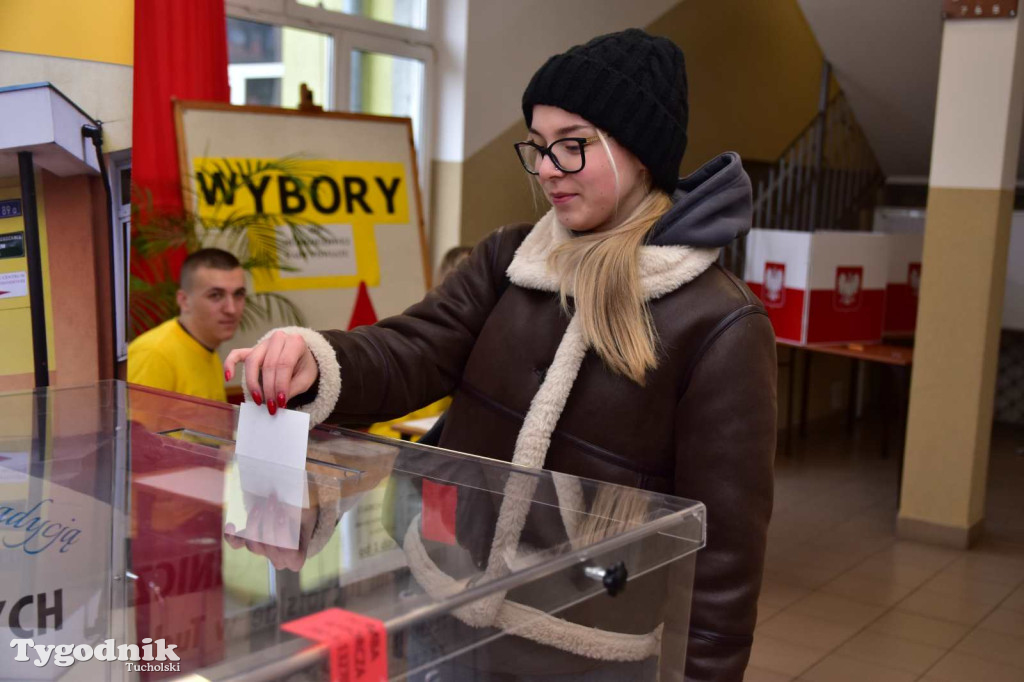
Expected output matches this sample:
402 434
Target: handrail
824 179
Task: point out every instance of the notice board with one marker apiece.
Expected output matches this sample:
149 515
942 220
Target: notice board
352 176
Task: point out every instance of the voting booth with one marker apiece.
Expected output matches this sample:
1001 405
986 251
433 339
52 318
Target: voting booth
129 517
904 228
820 287
903 283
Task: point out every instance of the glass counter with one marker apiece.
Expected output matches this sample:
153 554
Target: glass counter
127 518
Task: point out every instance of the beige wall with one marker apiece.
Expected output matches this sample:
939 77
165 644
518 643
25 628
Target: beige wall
445 204
103 91
951 410
754 71
967 232
496 189
506 42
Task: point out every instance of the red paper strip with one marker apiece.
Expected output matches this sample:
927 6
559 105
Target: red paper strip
358 644
438 517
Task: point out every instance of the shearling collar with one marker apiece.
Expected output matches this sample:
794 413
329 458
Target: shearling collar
662 268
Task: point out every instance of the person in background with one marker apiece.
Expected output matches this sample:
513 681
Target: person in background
180 355
449 262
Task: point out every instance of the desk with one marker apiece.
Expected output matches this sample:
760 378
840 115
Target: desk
897 358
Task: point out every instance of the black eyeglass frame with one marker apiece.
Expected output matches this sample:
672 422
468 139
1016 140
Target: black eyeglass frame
546 151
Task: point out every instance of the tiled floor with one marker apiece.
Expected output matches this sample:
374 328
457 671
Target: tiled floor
844 600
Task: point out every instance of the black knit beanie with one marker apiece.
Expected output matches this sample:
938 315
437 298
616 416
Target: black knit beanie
630 84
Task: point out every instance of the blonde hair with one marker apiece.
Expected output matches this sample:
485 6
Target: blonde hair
615 510
601 272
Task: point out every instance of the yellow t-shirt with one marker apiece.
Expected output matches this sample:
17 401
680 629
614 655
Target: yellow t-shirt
166 357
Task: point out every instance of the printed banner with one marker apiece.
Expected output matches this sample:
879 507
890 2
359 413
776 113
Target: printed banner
320 215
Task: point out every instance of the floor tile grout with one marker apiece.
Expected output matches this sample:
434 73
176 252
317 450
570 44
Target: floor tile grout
863 517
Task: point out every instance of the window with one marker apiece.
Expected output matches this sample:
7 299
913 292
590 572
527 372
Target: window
387 85
366 56
412 13
268 63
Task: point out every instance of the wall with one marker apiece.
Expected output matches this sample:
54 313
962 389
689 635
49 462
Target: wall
495 52
79 260
104 91
84 48
98 30
754 71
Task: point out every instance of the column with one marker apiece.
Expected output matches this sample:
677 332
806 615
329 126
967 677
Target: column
970 199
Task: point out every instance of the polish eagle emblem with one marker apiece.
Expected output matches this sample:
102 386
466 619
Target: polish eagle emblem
848 287
775 284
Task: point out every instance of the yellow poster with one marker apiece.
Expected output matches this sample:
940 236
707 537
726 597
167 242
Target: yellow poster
311 221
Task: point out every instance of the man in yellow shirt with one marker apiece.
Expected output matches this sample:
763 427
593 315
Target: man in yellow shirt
180 355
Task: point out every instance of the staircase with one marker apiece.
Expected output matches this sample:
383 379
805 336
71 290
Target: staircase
827 179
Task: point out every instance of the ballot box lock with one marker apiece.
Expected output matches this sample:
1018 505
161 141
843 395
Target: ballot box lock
613 577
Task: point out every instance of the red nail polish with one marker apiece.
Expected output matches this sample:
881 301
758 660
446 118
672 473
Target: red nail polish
227 375
272 407
281 400
257 398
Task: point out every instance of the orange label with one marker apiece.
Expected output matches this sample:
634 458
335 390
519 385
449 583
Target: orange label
358 644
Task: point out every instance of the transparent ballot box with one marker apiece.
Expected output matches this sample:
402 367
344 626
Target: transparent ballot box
129 524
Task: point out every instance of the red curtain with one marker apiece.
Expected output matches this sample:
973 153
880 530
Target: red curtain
180 53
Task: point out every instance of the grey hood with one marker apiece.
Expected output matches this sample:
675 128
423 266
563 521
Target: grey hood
710 208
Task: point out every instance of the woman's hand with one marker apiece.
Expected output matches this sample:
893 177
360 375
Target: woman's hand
285 364
270 533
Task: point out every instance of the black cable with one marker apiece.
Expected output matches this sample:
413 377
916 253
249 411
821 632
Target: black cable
33 255
95 133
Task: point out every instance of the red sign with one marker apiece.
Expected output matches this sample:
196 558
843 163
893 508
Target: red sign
358 644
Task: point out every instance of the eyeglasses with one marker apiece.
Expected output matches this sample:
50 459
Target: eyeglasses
567 154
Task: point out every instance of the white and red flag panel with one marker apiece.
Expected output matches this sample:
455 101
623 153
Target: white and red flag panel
820 287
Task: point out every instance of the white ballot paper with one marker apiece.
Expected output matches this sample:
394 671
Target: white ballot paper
270 454
281 439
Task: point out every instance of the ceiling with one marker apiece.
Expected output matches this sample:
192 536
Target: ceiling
885 56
